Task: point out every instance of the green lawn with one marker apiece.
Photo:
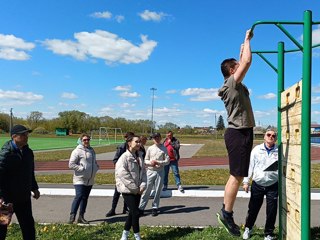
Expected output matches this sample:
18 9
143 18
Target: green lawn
37 143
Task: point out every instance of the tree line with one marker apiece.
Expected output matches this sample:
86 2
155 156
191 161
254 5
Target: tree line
79 122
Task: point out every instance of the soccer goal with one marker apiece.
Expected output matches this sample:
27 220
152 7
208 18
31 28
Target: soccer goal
110 135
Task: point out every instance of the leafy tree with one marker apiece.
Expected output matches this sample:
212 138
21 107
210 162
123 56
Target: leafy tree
34 119
4 122
220 123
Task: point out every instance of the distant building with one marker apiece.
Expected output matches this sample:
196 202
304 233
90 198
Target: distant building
315 128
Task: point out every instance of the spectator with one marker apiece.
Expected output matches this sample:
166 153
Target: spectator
156 158
83 162
130 175
263 170
173 146
17 180
116 195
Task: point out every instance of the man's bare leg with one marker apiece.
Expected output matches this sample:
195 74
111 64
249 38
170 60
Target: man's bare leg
231 191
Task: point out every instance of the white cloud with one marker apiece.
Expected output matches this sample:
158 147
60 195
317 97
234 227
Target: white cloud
127 105
268 96
102 45
129 94
147 15
122 88
201 94
69 95
171 91
105 14
315 100
119 18
316 89
13 48
18 98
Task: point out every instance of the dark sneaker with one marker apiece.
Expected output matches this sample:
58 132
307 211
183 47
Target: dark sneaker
154 212
111 213
228 223
165 188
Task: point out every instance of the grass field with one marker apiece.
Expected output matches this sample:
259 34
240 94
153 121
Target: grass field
37 143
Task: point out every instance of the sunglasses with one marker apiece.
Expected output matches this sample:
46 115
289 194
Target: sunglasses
86 139
271 135
137 141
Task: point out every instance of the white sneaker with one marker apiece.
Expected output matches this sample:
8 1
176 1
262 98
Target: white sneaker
246 233
180 188
268 237
125 235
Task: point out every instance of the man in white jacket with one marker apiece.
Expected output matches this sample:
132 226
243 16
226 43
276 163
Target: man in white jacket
156 158
263 170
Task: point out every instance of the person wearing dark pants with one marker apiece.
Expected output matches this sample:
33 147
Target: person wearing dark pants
263 170
17 181
132 202
116 195
84 163
131 181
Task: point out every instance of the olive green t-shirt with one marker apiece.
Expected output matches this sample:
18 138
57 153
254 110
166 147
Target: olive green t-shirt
237 103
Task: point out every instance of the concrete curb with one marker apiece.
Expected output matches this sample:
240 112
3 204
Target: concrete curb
164 194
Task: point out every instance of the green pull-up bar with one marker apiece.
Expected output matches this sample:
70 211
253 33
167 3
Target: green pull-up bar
306 109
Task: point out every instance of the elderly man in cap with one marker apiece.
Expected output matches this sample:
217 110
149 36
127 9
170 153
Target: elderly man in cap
17 180
156 158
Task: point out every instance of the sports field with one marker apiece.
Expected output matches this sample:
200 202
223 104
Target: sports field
48 143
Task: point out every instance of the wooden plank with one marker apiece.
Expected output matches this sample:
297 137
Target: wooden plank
292 172
291 154
291 231
291 95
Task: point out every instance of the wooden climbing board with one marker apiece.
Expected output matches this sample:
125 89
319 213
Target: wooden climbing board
290 210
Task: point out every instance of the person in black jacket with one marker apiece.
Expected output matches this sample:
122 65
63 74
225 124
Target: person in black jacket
17 180
122 148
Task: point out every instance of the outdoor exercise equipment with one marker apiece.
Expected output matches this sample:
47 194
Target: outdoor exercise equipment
294 120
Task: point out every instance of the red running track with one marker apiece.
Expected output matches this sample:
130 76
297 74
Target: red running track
184 162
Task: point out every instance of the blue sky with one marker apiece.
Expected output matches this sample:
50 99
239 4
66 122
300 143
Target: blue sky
103 56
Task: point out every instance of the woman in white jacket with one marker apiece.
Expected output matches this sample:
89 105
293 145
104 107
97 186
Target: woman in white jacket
131 181
83 162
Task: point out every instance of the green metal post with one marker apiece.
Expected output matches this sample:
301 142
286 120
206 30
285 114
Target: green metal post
305 126
280 90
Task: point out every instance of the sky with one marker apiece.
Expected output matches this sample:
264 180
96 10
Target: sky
103 57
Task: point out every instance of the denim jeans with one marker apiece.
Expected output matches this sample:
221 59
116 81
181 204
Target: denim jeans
175 169
81 198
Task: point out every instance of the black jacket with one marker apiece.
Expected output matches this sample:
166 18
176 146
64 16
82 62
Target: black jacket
122 148
17 178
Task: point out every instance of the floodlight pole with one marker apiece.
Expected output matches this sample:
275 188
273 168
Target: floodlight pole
11 118
152 89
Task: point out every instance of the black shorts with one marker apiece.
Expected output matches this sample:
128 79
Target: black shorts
239 145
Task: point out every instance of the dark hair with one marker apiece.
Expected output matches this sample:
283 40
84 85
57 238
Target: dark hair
84 135
226 65
170 132
128 134
130 137
142 137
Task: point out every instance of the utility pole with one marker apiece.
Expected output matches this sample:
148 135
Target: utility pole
215 123
11 122
152 89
